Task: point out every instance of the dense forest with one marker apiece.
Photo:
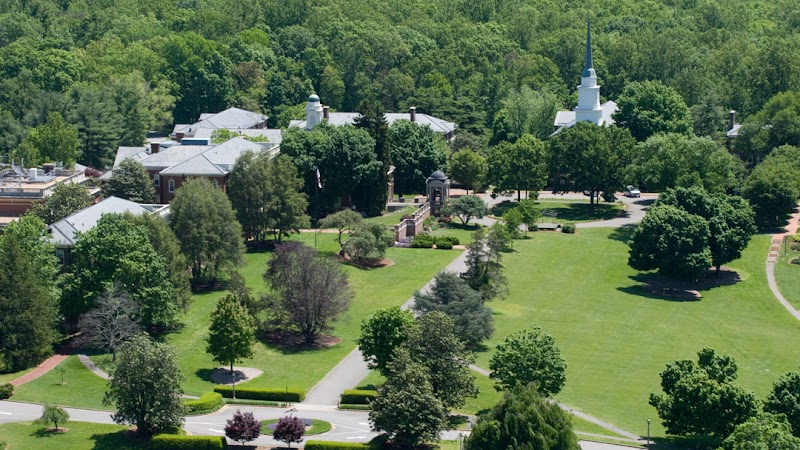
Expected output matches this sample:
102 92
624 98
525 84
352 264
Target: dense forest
118 69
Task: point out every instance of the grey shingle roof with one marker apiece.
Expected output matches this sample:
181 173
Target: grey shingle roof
348 118
273 136
231 118
63 232
199 165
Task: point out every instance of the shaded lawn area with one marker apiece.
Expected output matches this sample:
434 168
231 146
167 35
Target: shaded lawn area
81 436
788 276
81 387
568 210
374 289
457 229
616 340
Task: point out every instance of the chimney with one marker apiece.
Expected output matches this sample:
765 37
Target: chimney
179 136
731 119
326 113
413 113
154 148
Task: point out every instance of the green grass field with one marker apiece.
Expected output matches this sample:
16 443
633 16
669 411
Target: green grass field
788 276
374 289
393 218
81 436
569 210
81 387
6 377
617 338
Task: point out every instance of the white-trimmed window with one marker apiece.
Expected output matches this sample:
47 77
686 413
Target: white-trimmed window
171 185
156 180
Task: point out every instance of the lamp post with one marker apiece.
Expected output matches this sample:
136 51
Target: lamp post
648 434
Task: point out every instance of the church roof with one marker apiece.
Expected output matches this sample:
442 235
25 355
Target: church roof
566 119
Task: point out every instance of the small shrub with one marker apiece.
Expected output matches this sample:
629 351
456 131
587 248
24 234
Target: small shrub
210 401
6 390
568 227
452 240
444 245
422 240
274 395
358 397
431 223
175 442
325 445
795 261
795 246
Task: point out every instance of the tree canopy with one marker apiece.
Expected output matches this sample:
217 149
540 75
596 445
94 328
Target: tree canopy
130 181
650 107
381 334
529 356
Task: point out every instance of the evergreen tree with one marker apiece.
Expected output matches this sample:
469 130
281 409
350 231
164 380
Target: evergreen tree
231 335
98 122
372 194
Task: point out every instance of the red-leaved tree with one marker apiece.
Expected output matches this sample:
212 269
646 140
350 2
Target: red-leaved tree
243 427
289 430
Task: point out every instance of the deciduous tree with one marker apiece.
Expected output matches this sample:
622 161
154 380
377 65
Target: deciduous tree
650 107
308 292
381 334
416 153
484 271
344 220
112 320
130 181
289 430
205 224
66 199
765 431
469 167
53 141
519 166
465 208
243 427
52 414
785 399
231 335
529 356
368 242
146 388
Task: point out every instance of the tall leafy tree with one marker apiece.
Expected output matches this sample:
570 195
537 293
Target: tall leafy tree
673 241
28 329
130 181
435 345
53 141
529 356
145 387
372 194
703 397
450 294
765 430
381 334
590 158
484 270
98 122
368 242
344 220
204 222
118 251
469 168
784 398
465 207
406 408
650 107
66 199
231 335
520 166
523 419
308 292
416 153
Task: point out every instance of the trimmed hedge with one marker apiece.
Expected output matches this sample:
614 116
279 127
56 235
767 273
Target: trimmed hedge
325 445
358 397
175 442
273 395
344 406
210 401
452 239
6 390
444 245
422 240
568 228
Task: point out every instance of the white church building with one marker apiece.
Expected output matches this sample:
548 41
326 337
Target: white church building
589 108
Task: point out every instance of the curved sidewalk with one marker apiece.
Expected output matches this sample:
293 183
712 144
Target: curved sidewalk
772 260
45 366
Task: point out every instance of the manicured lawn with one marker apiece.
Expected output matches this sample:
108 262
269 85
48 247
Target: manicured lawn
569 210
788 276
374 289
617 338
317 427
81 388
6 377
456 229
81 436
393 218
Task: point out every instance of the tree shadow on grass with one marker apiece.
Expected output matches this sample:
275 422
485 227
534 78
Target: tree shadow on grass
121 440
204 374
661 287
622 234
684 443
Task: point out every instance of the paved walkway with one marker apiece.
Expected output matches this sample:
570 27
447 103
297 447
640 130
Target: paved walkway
46 366
772 259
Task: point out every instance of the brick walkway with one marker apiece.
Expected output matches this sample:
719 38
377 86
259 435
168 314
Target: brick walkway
46 366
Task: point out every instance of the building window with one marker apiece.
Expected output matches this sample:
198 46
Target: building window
215 183
156 180
171 185
61 255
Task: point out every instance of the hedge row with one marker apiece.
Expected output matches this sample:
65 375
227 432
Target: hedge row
210 401
358 397
6 389
422 240
176 442
345 406
325 445
274 395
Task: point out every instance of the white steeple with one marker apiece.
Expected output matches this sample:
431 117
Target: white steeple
313 111
588 109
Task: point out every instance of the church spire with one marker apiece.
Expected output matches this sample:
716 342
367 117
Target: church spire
588 65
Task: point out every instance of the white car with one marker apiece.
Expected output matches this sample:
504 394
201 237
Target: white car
631 191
